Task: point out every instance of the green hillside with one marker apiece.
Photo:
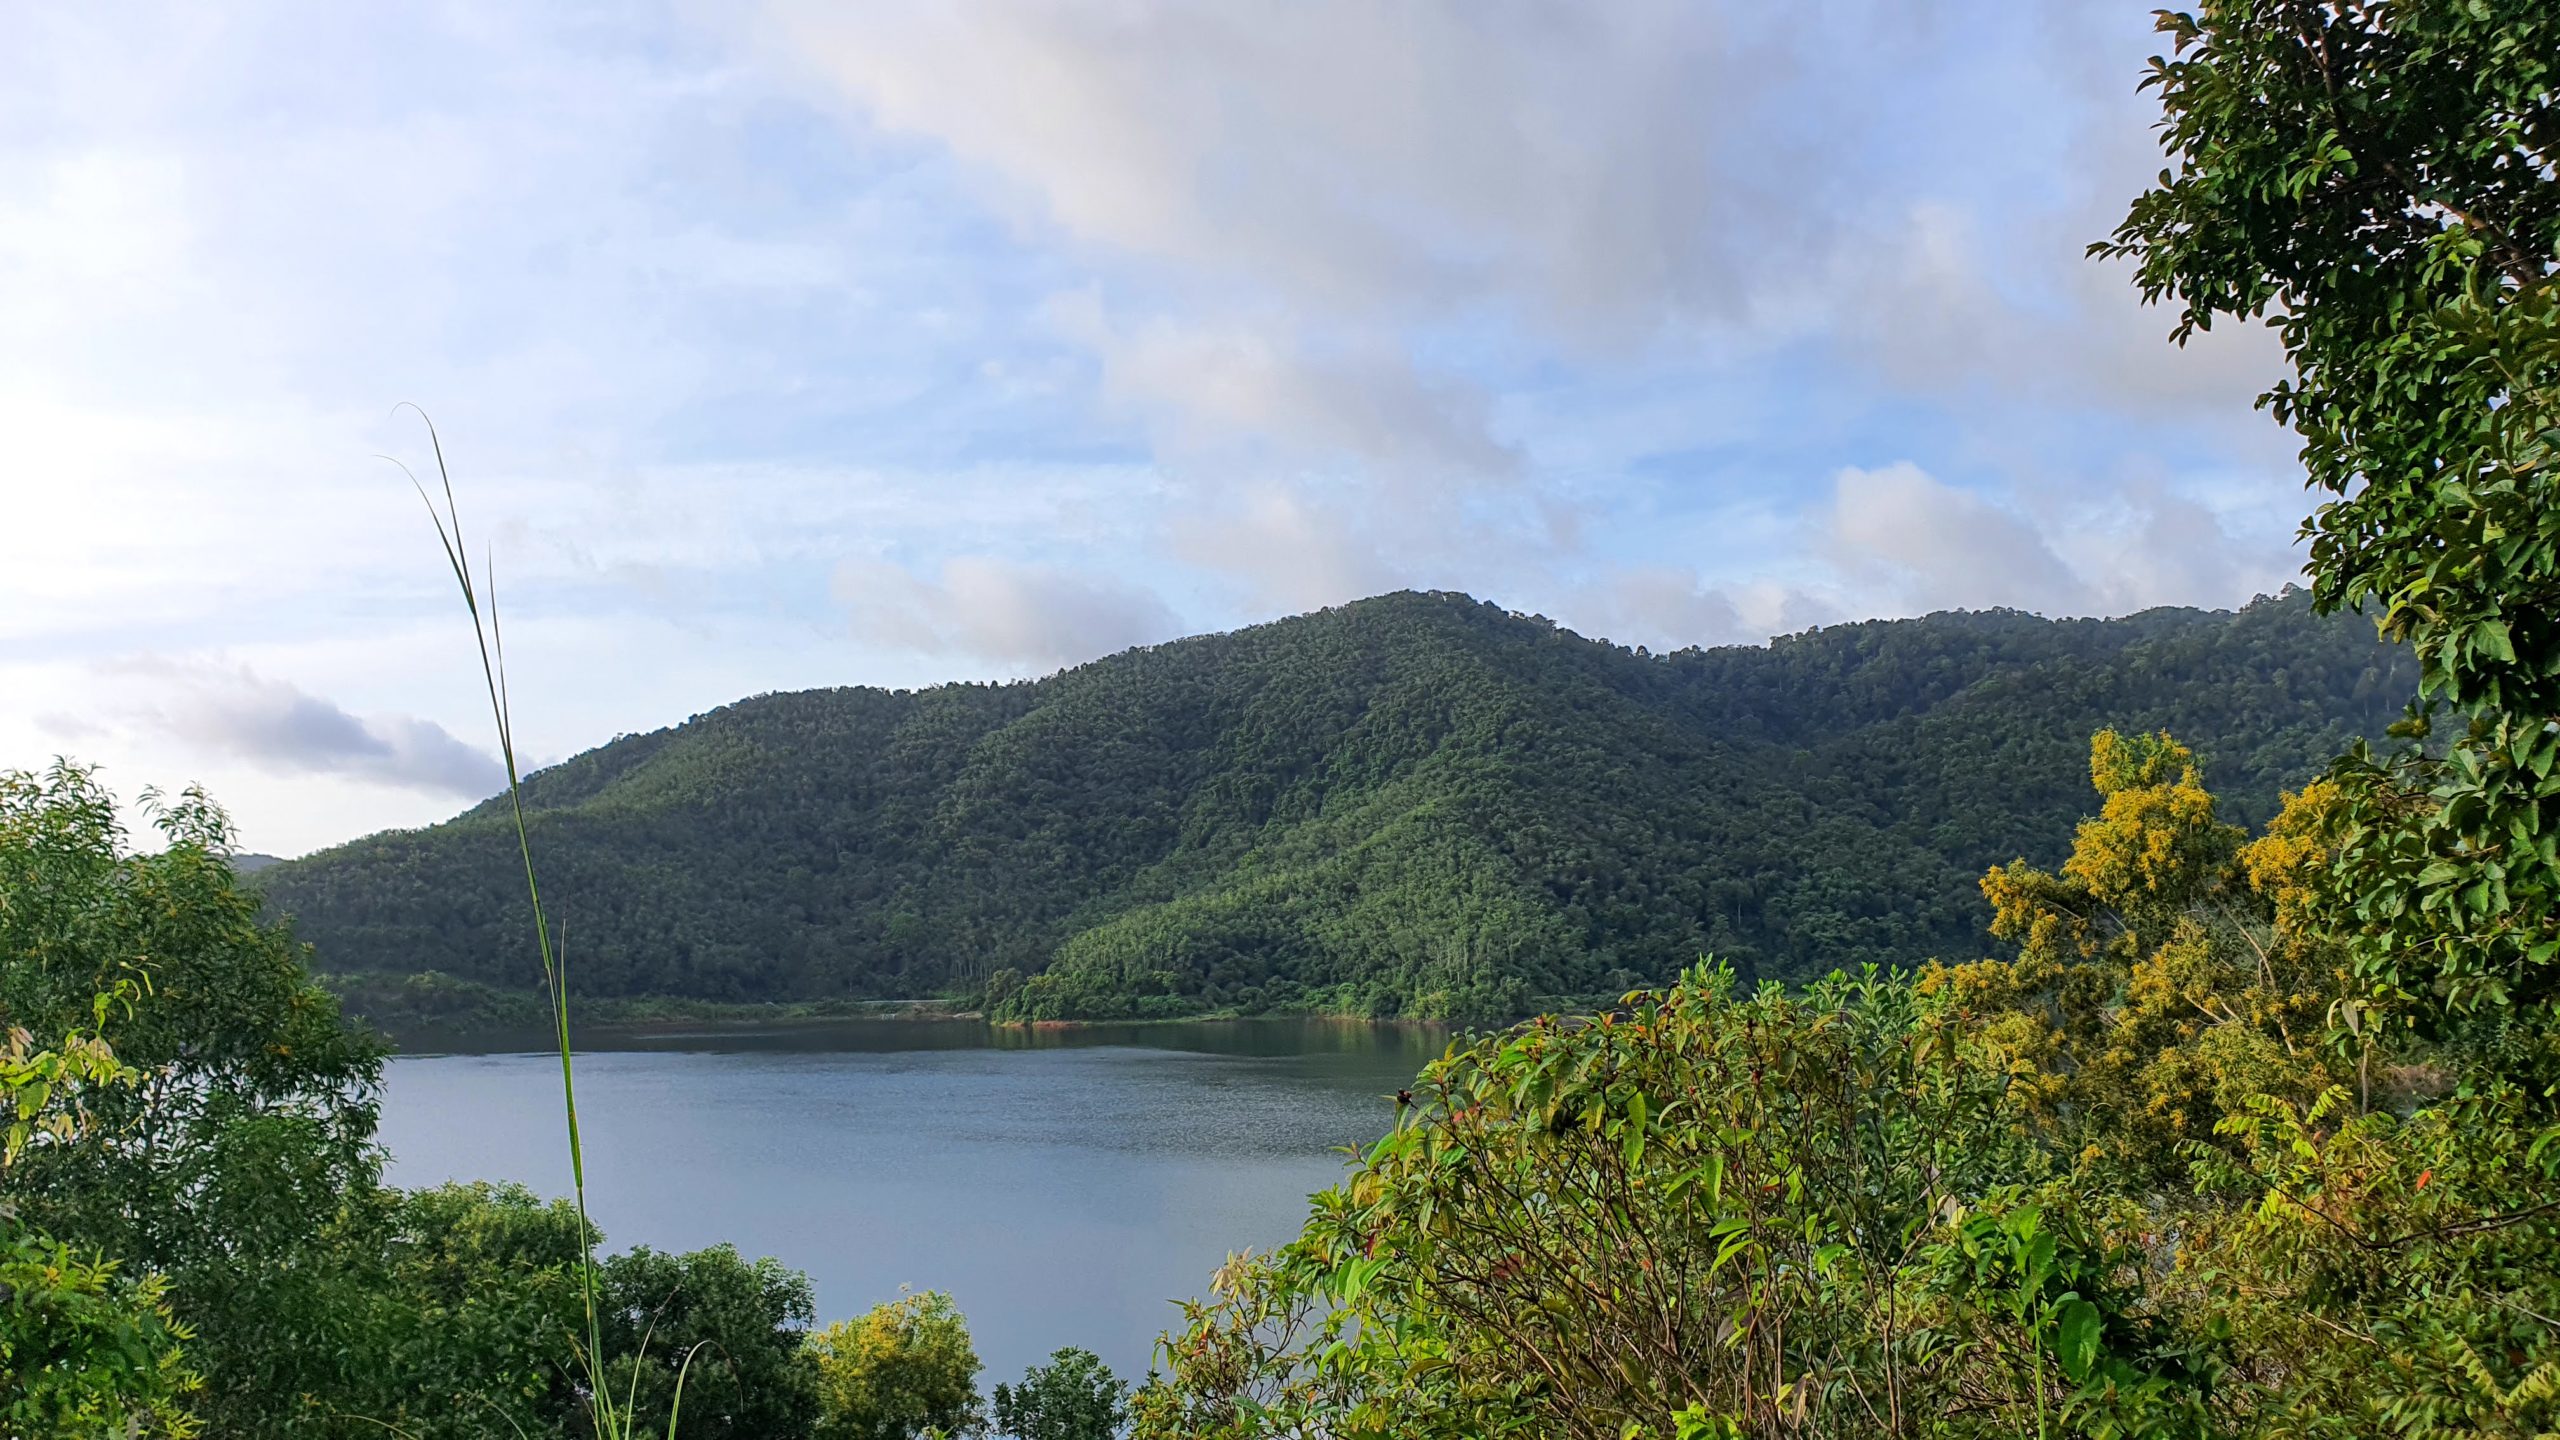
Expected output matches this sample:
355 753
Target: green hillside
1418 803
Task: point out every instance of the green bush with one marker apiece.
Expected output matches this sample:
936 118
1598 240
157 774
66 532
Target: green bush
85 1350
1073 1397
904 1370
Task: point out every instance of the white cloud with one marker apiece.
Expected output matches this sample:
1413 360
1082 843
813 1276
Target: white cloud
1288 549
1297 184
995 610
1945 547
1602 178
1918 543
1588 163
1666 607
1358 397
2143 541
1951 298
233 712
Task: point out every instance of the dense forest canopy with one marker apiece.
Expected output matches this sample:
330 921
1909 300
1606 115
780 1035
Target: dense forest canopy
1419 803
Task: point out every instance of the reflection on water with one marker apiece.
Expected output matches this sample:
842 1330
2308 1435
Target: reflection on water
1062 1184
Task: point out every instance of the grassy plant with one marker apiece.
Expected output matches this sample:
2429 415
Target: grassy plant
613 1419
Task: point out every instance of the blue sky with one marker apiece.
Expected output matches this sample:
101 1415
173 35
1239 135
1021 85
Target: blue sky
786 344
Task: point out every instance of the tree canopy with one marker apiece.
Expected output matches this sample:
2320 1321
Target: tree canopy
194 1237
2378 182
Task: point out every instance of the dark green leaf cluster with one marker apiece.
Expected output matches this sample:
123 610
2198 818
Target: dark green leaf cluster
1072 1397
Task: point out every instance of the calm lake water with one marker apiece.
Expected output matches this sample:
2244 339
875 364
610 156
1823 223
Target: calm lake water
1064 1186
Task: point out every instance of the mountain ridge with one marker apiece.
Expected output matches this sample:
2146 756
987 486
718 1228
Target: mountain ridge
1415 803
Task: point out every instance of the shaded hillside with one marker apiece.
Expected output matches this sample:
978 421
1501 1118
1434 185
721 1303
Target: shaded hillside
1418 802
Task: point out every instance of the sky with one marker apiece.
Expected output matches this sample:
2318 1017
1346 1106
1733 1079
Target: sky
779 344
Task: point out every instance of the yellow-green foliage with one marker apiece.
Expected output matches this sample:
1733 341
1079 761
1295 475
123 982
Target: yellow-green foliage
906 1369
1712 1214
2169 972
40 1090
86 1350
2143 1179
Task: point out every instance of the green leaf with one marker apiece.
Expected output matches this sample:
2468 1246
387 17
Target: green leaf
2077 1337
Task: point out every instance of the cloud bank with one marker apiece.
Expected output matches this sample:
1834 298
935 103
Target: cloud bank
235 713
987 609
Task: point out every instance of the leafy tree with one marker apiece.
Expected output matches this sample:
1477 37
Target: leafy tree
734 1330
1073 1397
210 1179
1708 1213
469 1318
905 1369
247 1131
2377 180
2170 975
475 1313
84 1349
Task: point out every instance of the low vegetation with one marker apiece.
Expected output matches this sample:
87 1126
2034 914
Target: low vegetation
195 1239
2131 1183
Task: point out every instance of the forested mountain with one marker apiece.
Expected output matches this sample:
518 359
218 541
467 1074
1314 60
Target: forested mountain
1418 803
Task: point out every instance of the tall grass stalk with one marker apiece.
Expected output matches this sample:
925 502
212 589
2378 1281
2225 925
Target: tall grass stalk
613 1420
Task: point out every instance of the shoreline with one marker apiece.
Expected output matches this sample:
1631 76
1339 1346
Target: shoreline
429 1014
511 1015
617 1025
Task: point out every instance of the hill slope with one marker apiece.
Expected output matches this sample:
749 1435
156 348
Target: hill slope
1416 803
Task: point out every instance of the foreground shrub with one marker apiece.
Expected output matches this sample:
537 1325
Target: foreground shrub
2166 1172
904 1370
1073 1397
84 1349
1787 1213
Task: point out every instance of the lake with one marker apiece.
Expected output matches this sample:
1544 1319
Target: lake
1063 1185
